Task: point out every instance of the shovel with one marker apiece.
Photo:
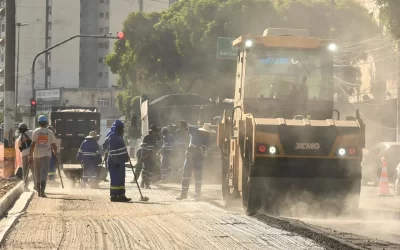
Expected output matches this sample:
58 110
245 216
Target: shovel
142 198
59 171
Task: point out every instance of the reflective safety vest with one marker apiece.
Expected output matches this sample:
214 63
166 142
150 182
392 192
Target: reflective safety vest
89 152
117 151
168 143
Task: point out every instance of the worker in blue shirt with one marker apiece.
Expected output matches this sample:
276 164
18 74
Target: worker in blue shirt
90 156
198 145
116 159
168 145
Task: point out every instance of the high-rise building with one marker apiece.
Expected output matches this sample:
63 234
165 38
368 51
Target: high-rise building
79 62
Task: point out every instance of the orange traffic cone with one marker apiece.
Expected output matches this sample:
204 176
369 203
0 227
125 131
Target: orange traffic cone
384 182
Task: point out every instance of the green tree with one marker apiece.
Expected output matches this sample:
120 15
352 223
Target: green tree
389 14
175 51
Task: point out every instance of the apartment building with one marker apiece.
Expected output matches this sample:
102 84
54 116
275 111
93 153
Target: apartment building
31 14
80 62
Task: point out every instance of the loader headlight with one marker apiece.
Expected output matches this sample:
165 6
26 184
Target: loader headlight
248 43
272 150
332 47
342 151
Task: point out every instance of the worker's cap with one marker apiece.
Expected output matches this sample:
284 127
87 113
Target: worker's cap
164 130
207 128
42 119
118 123
22 126
92 134
153 128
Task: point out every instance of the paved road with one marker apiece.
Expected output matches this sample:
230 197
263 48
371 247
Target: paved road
85 219
378 217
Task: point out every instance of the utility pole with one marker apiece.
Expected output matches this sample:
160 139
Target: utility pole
46 45
9 86
19 25
140 5
398 93
331 29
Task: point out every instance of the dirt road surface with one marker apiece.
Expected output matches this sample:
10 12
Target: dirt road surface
86 219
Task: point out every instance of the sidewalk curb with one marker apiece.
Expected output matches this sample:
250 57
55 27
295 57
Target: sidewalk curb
10 197
7 222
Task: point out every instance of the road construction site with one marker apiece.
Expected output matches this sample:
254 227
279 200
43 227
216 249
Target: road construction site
75 218
86 219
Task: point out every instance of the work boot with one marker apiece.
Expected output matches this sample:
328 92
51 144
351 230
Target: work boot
38 188
42 189
182 196
123 198
148 186
114 198
196 196
142 184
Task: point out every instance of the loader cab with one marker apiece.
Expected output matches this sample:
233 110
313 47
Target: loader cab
284 76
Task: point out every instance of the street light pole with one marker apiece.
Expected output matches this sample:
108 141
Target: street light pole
55 46
19 25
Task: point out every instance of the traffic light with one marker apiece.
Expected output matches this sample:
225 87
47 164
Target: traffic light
121 42
33 107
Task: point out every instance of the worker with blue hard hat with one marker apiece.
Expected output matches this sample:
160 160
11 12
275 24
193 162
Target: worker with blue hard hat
116 159
42 147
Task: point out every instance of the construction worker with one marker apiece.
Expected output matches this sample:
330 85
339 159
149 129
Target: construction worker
151 141
199 139
168 145
43 144
24 144
142 157
116 159
90 156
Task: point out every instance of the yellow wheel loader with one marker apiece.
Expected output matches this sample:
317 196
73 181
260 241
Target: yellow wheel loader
284 143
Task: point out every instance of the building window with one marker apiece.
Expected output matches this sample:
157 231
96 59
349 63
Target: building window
101 45
106 45
101 15
107 15
2 57
48 71
100 59
49 10
105 75
106 30
3 28
49 26
103 102
101 30
100 74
